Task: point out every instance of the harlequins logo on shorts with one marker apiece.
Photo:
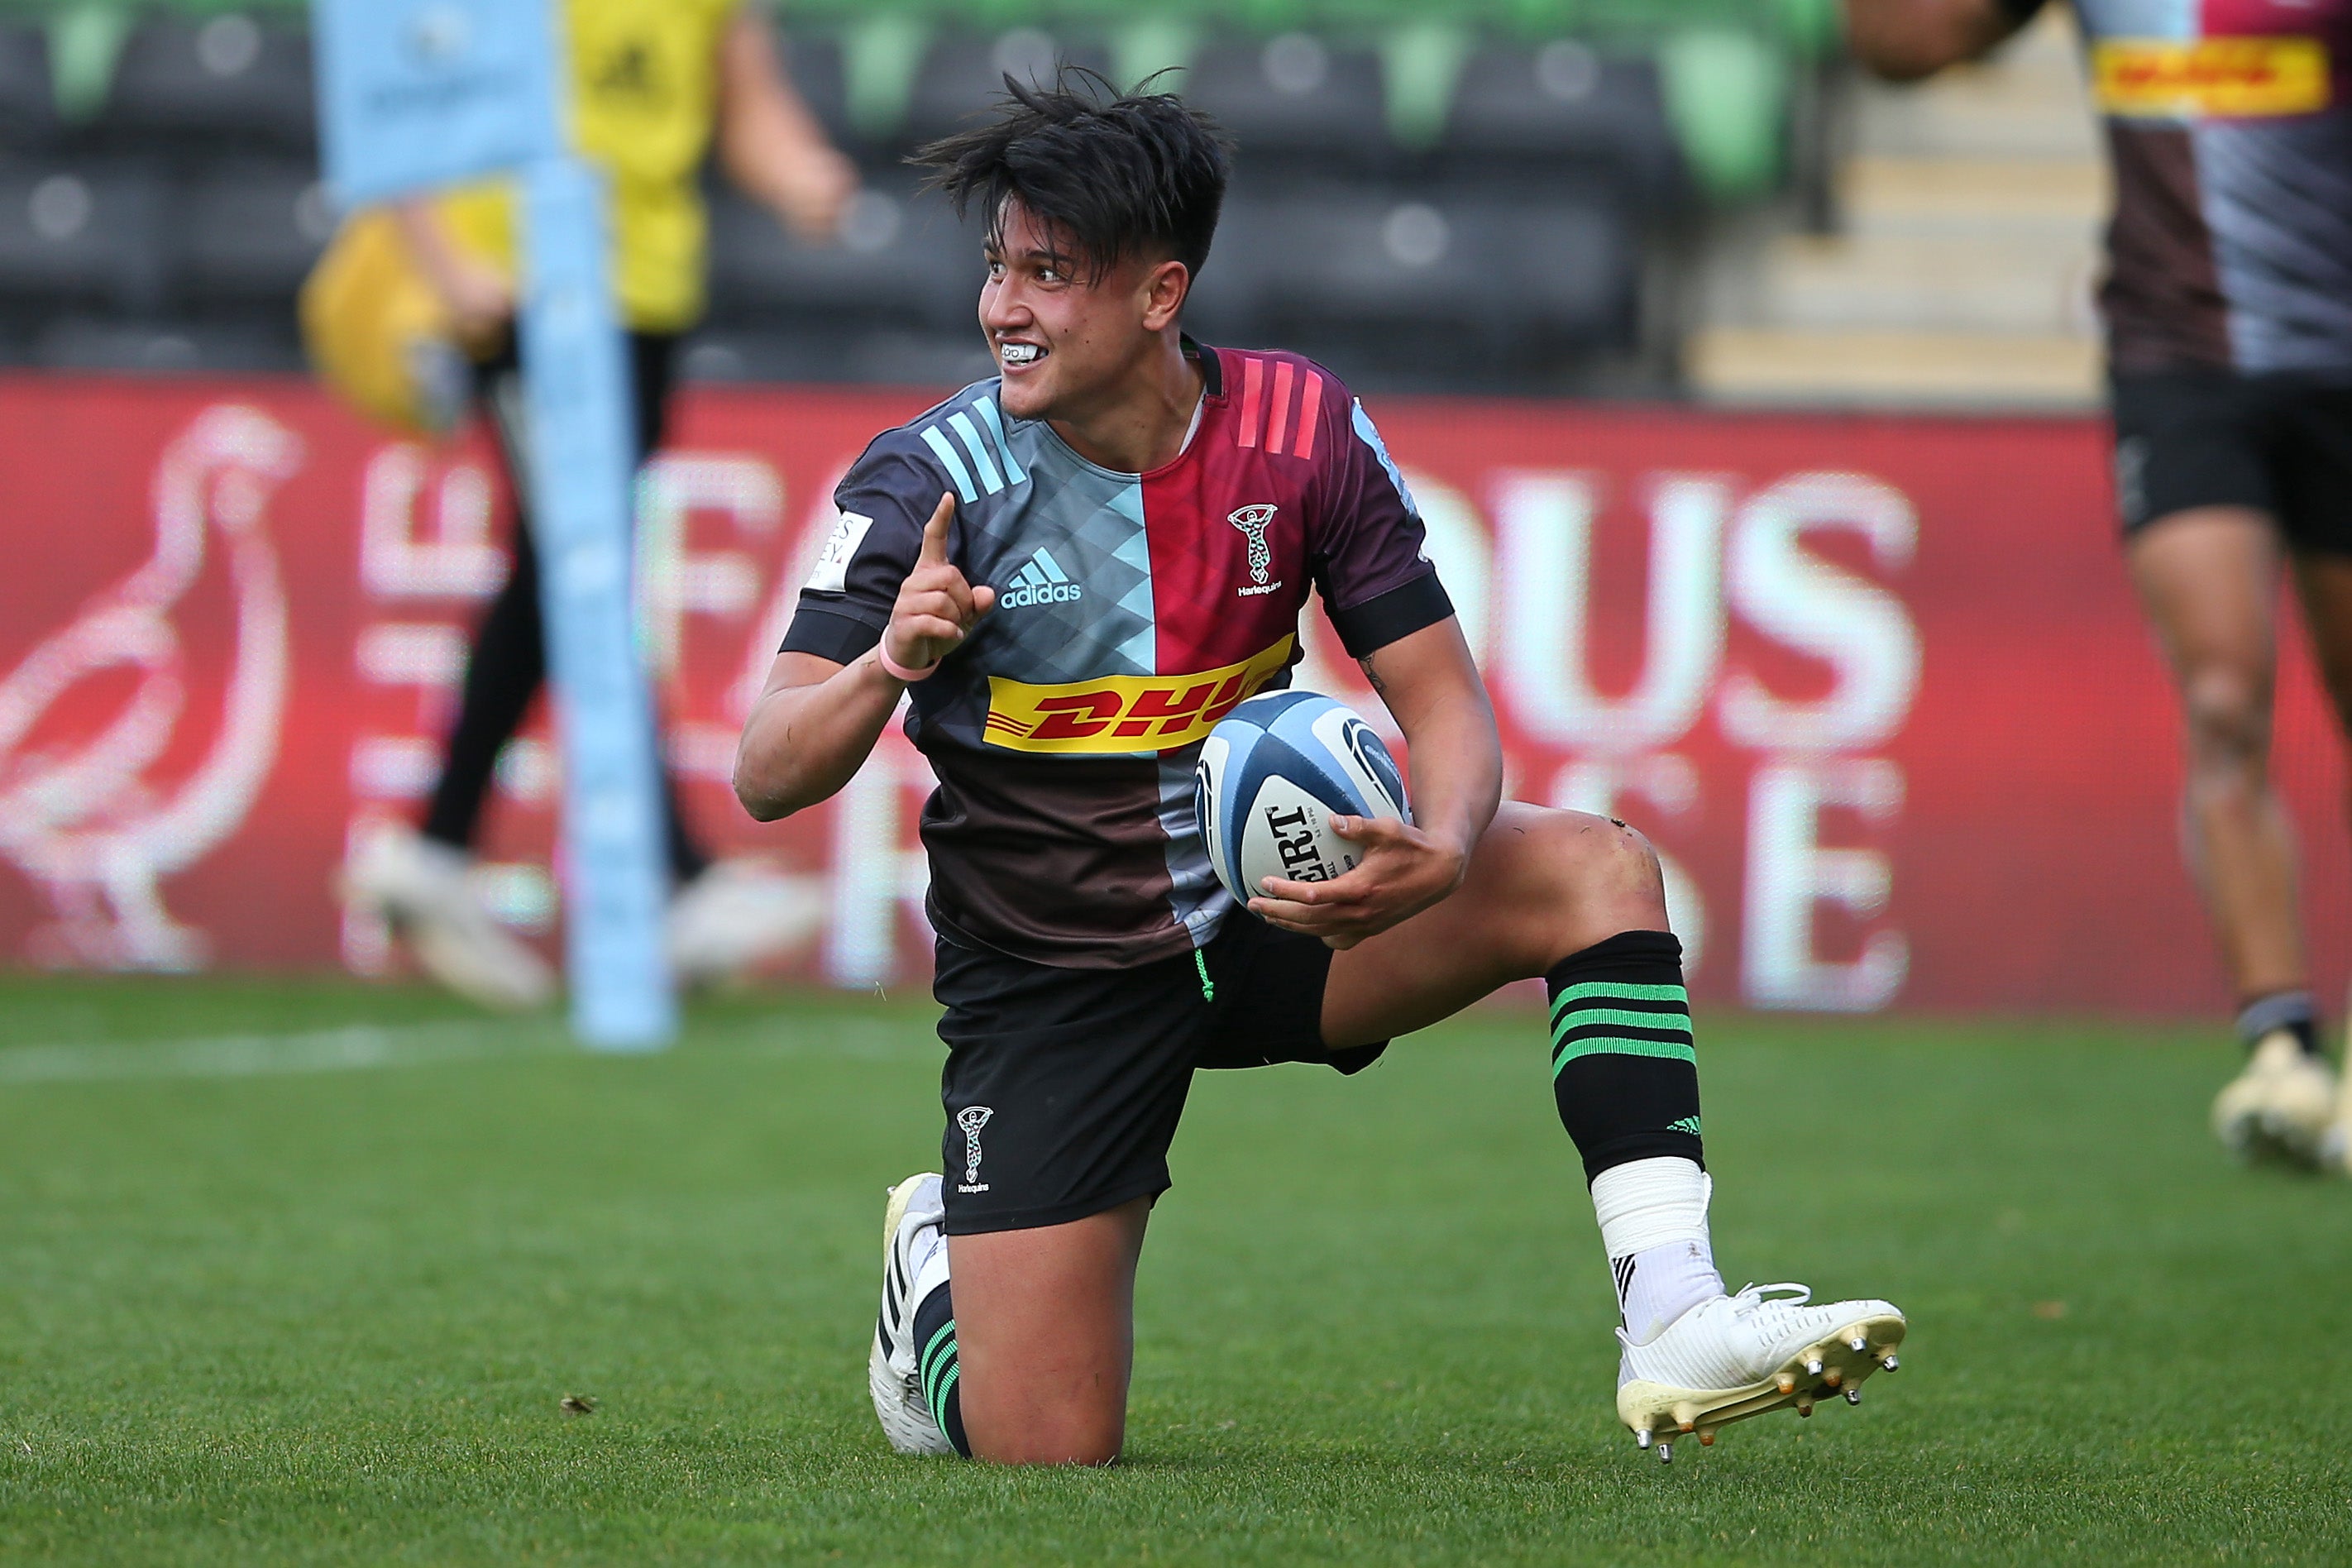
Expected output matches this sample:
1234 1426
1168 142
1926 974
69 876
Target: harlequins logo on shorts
971 1119
1042 582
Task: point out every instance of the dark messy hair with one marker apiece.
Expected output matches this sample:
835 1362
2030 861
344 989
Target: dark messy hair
1113 175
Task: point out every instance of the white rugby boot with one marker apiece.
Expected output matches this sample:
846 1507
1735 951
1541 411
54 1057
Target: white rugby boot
419 888
2281 1105
1737 1356
914 1252
739 914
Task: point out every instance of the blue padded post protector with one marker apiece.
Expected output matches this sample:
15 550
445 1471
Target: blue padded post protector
418 94
583 469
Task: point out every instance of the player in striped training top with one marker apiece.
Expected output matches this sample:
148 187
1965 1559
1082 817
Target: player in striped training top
1074 569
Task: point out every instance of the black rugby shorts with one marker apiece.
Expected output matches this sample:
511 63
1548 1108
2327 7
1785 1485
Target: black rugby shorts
1062 1087
2280 445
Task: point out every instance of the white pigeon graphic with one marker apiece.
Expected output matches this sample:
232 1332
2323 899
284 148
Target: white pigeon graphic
84 820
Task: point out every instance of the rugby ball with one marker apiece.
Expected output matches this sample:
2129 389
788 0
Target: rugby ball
1271 775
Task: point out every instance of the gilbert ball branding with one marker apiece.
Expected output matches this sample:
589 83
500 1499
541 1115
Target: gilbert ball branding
1271 777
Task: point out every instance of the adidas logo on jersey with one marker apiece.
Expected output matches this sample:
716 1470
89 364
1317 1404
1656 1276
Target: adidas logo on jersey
1042 582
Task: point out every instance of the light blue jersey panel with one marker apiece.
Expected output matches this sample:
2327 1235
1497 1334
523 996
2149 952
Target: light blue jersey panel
1060 540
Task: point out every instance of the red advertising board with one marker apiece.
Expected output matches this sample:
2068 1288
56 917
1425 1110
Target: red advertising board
1874 686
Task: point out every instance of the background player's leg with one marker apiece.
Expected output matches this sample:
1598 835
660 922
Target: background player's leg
417 882
503 673
1043 1329
2209 580
2317 494
508 661
2324 583
653 376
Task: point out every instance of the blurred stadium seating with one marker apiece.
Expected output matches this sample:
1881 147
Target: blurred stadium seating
1502 198
1957 262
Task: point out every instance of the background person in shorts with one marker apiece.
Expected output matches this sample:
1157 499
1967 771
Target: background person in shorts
656 86
2228 304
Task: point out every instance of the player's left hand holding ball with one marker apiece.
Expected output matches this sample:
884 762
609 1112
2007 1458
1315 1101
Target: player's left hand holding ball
1405 870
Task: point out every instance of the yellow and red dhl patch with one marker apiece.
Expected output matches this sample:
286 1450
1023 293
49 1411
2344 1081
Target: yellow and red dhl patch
2231 77
1121 713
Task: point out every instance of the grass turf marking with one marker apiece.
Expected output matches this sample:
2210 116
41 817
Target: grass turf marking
358 1048
363 1046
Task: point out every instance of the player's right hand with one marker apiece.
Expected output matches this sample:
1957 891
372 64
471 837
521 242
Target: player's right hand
936 606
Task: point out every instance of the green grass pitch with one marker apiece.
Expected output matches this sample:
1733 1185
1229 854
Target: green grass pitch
253 1310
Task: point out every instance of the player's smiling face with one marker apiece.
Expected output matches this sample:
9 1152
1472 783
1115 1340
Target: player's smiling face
1064 334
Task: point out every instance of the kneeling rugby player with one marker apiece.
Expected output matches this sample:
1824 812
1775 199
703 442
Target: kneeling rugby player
1075 568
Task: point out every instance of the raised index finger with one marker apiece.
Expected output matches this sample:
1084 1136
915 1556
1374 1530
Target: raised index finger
934 551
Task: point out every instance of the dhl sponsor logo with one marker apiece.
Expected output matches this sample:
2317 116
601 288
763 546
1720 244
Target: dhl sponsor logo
2225 77
1119 713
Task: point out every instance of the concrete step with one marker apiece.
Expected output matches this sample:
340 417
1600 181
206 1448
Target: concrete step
1970 116
2059 199
1980 283
1753 367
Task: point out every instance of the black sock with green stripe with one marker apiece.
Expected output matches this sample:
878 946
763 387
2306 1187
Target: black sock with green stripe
935 1348
1622 1069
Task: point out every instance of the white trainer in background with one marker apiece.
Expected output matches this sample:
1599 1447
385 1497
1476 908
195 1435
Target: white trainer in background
2336 1143
2281 1105
914 1263
739 915
420 890
1737 1356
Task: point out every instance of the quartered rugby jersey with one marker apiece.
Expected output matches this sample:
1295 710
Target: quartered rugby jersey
2231 122
1133 611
